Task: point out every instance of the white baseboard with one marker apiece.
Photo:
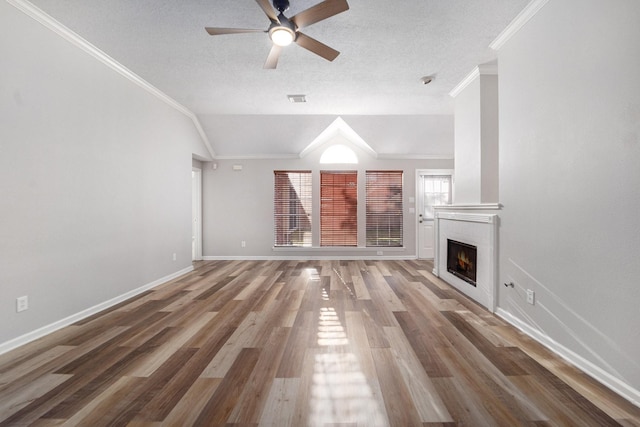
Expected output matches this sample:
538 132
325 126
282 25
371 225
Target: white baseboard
307 258
597 373
45 330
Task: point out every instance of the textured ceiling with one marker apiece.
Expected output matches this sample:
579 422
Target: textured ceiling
386 47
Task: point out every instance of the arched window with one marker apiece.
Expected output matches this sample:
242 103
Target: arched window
338 154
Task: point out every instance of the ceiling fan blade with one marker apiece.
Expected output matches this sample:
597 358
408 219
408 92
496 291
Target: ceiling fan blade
214 31
316 47
268 10
272 59
321 11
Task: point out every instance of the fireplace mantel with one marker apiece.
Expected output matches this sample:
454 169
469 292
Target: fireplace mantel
470 217
477 206
480 230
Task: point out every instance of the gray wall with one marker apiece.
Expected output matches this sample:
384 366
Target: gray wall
95 179
489 190
238 206
569 179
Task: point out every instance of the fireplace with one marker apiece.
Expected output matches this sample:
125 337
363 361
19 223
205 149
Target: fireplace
466 229
462 260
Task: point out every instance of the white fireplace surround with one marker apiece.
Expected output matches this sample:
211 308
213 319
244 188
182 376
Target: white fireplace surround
479 230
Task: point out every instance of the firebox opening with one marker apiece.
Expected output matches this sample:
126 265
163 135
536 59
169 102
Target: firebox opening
462 260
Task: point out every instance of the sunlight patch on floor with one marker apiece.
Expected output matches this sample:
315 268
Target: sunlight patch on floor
340 391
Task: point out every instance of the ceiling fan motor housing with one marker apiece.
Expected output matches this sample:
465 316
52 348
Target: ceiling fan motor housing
281 5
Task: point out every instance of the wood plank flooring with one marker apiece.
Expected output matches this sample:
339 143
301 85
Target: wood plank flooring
299 343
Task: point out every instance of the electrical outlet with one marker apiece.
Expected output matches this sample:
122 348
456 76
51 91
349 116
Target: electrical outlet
22 303
531 297
174 256
243 244
379 253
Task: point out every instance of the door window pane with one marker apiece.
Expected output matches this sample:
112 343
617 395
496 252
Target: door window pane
437 192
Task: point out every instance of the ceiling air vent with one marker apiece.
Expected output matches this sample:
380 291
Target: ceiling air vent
297 98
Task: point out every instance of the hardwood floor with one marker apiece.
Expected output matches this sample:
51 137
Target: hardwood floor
288 343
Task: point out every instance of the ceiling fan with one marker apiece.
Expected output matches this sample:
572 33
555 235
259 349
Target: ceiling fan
283 31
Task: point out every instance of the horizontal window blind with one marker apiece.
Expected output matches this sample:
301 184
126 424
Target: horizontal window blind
292 208
384 208
338 208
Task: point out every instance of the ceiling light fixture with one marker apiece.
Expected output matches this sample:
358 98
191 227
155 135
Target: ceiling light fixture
282 36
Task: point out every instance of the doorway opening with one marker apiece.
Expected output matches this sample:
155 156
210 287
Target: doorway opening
196 214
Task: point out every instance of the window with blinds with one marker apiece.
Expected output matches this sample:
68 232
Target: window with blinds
384 208
338 208
292 208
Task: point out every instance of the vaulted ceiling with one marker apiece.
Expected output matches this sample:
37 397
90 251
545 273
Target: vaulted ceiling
374 84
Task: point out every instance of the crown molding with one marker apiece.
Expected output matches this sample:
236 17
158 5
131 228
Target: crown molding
519 21
383 156
474 74
260 157
480 70
379 157
47 21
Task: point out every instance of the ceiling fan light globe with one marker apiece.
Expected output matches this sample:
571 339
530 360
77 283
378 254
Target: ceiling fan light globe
282 36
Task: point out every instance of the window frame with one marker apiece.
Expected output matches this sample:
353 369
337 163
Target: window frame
384 208
293 211
339 229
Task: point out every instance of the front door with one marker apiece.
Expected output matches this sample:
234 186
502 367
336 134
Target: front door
433 190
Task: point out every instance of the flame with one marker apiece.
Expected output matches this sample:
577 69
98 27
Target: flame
464 262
